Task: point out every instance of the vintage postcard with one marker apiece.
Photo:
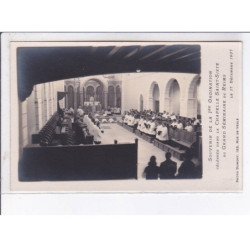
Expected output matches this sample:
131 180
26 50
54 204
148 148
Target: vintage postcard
125 116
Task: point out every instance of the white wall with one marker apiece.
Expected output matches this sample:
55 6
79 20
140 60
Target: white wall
42 103
37 109
136 84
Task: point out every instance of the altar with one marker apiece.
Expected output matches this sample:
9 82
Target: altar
92 105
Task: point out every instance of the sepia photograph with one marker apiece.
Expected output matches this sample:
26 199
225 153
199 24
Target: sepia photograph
123 116
142 121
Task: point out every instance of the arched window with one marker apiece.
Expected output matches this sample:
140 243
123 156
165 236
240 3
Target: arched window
194 107
172 97
90 92
154 97
99 94
111 96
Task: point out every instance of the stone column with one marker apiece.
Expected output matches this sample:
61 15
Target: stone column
81 98
75 99
105 99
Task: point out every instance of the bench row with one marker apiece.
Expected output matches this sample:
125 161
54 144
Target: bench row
175 151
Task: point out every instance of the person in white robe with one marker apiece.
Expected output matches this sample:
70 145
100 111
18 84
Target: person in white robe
173 116
140 124
159 130
152 129
174 124
164 134
189 127
111 120
97 133
80 111
179 125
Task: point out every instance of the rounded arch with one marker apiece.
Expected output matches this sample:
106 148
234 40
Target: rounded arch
193 105
93 82
154 97
95 88
99 93
172 97
90 92
141 103
70 96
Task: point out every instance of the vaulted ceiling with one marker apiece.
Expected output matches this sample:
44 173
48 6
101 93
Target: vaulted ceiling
46 64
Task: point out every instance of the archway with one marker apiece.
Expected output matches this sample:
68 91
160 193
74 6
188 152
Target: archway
70 97
172 97
95 88
90 92
111 96
141 103
118 96
154 97
193 105
100 94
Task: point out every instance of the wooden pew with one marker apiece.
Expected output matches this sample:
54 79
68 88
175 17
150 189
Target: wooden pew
175 151
85 162
182 137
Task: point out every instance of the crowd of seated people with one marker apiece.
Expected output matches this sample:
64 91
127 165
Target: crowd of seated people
157 124
168 169
86 121
114 110
94 127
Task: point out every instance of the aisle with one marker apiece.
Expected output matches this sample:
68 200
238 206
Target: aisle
145 149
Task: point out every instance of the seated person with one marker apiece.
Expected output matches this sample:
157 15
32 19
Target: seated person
159 130
108 112
168 168
146 126
111 120
163 137
165 115
80 111
140 122
179 125
173 117
97 135
174 124
189 127
131 120
126 119
71 111
143 126
152 128
187 170
104 120
151 171
195 121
